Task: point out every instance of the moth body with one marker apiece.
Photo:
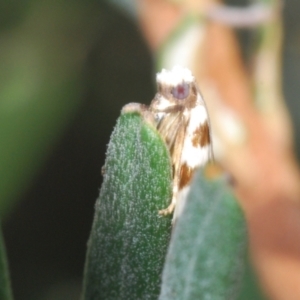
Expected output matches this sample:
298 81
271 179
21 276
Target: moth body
179 113
182 120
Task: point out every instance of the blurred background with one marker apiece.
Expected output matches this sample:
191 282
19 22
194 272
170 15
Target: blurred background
66 69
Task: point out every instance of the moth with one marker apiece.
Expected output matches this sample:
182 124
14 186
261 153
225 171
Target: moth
179 113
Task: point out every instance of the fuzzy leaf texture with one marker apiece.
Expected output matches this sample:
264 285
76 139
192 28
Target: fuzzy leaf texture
129 240
208 247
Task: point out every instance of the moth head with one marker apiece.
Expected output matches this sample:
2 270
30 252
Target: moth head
181 90
176 85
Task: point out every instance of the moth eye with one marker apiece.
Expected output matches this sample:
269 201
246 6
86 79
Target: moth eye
181 91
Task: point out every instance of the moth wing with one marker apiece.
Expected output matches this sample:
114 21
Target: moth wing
172 129
197 147
196 152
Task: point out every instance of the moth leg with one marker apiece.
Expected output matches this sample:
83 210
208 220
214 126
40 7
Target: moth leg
134 107
141 109
176 160
170 209
169 109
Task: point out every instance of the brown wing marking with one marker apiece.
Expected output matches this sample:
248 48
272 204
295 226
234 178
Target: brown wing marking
185 176
201 136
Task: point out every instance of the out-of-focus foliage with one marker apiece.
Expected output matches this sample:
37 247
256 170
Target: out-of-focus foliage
43 50
127 6
53 140
5 288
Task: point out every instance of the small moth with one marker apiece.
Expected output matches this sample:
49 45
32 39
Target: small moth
179 114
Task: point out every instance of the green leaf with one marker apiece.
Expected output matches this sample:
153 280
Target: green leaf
129 240
5 288
207 250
